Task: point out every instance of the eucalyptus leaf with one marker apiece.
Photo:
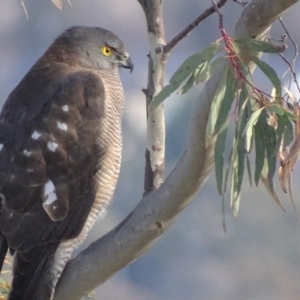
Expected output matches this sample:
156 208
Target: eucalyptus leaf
288 134
249 128
259 154
192 80
210 70
192 62
164 93
226 102
216 104
270 145
188 67
270 73
256 45
219 156
276 109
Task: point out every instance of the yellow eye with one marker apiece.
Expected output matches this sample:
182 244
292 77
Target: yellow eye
107 51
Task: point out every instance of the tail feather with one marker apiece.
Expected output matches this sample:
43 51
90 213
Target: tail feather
32 273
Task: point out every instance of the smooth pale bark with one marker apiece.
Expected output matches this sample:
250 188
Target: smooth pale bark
159 209
155 152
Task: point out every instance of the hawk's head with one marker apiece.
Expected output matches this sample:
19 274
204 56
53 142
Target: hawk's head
92 47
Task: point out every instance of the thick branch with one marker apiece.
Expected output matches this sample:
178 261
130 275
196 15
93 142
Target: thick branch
191 26
158 210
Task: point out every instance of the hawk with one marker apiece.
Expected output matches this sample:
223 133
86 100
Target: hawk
60 154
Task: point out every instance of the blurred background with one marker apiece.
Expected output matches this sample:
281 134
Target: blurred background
259 256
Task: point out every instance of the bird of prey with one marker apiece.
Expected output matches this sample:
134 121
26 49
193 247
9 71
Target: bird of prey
60 154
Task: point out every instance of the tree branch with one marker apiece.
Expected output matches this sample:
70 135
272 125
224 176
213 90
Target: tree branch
159 209
155 152
170 45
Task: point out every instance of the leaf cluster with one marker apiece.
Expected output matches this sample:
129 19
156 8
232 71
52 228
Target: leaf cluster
266 124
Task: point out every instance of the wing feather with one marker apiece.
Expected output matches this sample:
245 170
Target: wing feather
50 138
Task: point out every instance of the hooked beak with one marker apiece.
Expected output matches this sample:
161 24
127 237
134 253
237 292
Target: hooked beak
127 63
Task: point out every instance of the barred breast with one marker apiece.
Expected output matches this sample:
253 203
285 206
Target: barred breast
110 139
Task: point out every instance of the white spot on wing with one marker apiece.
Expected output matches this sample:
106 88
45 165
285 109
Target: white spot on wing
35 135
1 146
62 126
52 146
65 108
26 152
49 193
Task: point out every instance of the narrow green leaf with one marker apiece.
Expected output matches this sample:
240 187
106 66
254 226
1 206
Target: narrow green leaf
244 111
249 169
216 104
288 135
192 62
164 93
243 97
201 74
219 156
276 109
279 133
185 70
249 128
192 80
289 114
265 141
270 73
236 49
270 144
246 73
280 111
256 45
235 192
226 103
225 187
284 130
239 150
210 70
239 145
240 165
259 154
236 205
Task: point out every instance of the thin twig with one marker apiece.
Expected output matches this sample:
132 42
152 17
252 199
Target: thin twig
216 7
291 65
24 7
242 3
170 45
291 68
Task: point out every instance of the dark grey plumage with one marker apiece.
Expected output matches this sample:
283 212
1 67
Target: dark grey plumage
60 153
